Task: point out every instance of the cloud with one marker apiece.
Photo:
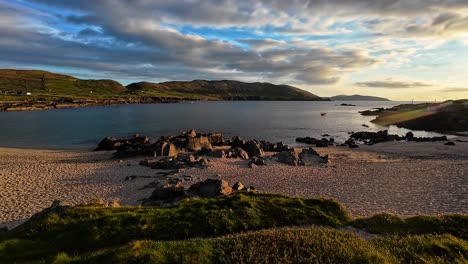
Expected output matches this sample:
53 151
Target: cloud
455 90
316 42
392 84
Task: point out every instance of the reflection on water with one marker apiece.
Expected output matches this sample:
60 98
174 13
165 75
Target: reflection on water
273 121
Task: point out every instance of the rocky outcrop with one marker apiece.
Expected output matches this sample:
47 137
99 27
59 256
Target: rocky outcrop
210 188
175 163
257 161
383 136
110 143
311 157
54 208
165 148
319 143
290 158
232 153
171 194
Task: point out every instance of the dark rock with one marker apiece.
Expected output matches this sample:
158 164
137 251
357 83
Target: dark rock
216 139
258 161
55 208
108 143
198 142
253 148
450 143
210 188
238 186
237 142
409 135
165 148
217 154
168 192
311 157
290 158
237 153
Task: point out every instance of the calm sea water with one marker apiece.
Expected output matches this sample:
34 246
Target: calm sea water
83 128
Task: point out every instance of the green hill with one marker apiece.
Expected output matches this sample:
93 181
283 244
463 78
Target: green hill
225 89
47 85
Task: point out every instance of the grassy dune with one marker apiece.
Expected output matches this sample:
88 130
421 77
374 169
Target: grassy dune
245 227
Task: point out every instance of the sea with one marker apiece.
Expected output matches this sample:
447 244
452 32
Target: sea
274 121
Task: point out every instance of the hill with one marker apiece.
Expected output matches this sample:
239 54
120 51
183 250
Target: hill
358 97
224 90
47 84
52 86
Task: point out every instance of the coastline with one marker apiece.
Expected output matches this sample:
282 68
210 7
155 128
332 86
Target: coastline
395 177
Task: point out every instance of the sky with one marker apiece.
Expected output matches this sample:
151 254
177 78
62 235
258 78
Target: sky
399 49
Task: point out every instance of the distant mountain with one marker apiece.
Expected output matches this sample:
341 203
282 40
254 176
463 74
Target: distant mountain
357 97
43 84
225 90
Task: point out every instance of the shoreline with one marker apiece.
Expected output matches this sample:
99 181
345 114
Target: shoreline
401 178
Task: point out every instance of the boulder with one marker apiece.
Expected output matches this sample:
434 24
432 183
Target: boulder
55 208
290 158
108 143
311 157
450 143
210 188
258 161
168 192
238 186
409 135
237 142
197 143
253 148
165 148
216 139
237 153
217 153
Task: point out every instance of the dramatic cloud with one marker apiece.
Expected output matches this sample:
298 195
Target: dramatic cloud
393 84
299 42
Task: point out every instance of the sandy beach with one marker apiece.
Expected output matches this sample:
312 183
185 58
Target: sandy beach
396 177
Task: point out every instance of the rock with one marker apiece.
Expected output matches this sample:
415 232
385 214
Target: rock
203 151
364 125
216 139
257 161
108 143
409 135
210 188
192 133
290 158
238 186
54 208
323 143
253 148
137 139
217 154
450 143
165 148
197 143
203 162
237 142
237 153
168 192
113 204
311 157
307 140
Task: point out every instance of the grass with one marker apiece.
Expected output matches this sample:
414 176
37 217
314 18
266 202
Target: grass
241 228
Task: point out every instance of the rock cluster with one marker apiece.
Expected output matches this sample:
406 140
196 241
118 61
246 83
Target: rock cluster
174 163
319 143
383 136
306 157
171 194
